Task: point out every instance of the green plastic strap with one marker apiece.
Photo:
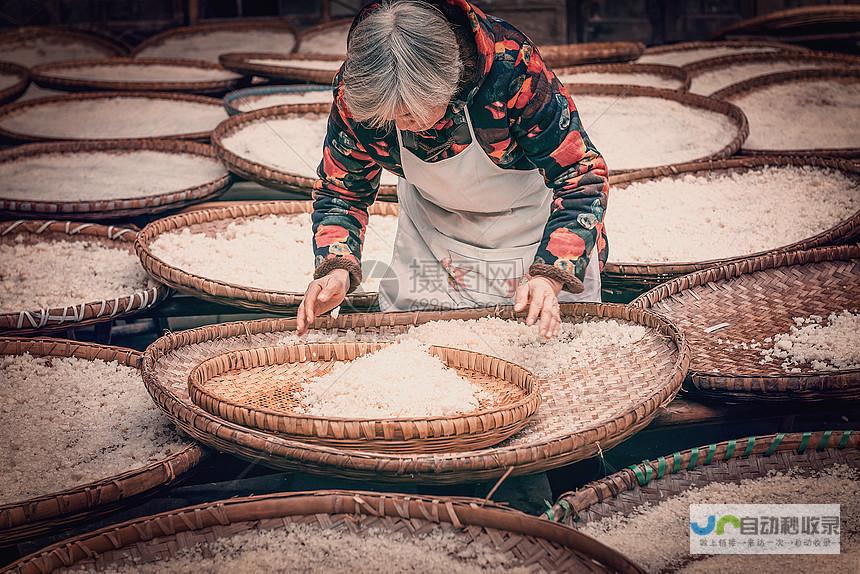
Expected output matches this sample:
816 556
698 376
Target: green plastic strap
843 442
730 449
825 439
775 444
640 476
694 456
661 466
804 441
750 444
676 462
712 448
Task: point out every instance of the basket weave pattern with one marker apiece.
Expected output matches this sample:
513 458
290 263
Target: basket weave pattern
558 55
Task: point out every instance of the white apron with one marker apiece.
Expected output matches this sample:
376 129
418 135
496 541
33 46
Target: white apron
467 233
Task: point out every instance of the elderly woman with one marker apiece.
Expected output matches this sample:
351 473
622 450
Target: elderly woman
501 192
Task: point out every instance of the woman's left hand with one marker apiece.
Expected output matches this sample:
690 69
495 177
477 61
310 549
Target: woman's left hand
541 295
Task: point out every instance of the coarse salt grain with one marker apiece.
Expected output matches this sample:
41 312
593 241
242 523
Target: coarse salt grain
70 421
331 41
331 65
48 49
709 81
142 73
818 344
627 79
207 45
251 103
718 218
682 57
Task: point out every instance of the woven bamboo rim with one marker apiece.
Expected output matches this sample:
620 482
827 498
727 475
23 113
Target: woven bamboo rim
522 538
252 393
109 46
686 46
845 75
307 35
243 25
557 55
785 20
651 482
580 414
671 72
28 519
11 109
269 176
12 92
45 75
240 62
233 100
112 208
638 277
31 321
222 291
759 297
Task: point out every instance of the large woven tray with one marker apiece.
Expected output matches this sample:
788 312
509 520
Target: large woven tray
523 539
49 513
632 279
672 73
758 298
12 92
240 62
269 176
261 388
30 321
51 76
688 46
844 75
306 36
585 409
557 55
116 208
796 21
108 47
237 102
214 220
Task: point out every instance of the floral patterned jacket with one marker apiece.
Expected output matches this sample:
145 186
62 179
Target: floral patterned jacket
523 118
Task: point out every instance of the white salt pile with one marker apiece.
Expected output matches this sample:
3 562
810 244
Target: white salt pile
402 380
708 82
628 79
657 536
803 115
68 422
115 117
273 253
33 91
292 144
682 57
333 65
102 175
8 80
207 45
47 49
251 103
142 73
718 218
640 132
817 343
55 274
330 41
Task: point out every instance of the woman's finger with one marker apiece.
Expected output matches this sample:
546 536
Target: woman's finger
310 301
522 297
546 315
536 303
300 319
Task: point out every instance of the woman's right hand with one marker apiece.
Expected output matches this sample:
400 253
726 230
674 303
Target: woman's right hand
322 295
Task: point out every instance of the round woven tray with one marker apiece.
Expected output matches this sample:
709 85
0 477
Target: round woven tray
632 279
672 73
261 388
269 176
240 62
12 92
584 409
11 109
687 46
537 544
215 220
755 299
111 208
234 102
844 75
109 48
31 321
51 76
28 519
557 55
794 21
306 36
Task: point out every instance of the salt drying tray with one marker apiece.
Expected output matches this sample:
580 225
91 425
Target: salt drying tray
141 74
28 519
260 97
587 408
260 162
821 121
107 180
558 55
14 79
313 68
475 527
629 279
261 389
326 38
722 311
111 116
35 45
795 24
208 41
77 314
649 75
212 221
685 53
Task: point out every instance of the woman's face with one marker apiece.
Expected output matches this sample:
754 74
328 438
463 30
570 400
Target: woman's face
406 122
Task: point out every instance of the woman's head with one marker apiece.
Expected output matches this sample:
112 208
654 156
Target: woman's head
403 65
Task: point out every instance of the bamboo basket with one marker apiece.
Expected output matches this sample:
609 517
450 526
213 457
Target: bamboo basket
558 55
270 176
261 389
672 73
537 544
52 76
214 220
15 90
235 102
100 210
307 35
580 413
240 62
109 47
842 75
41 321
629 279
787 23
688 46
755 299
28 519
21 137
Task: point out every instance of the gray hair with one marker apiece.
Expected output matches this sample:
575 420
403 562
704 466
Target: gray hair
402 57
